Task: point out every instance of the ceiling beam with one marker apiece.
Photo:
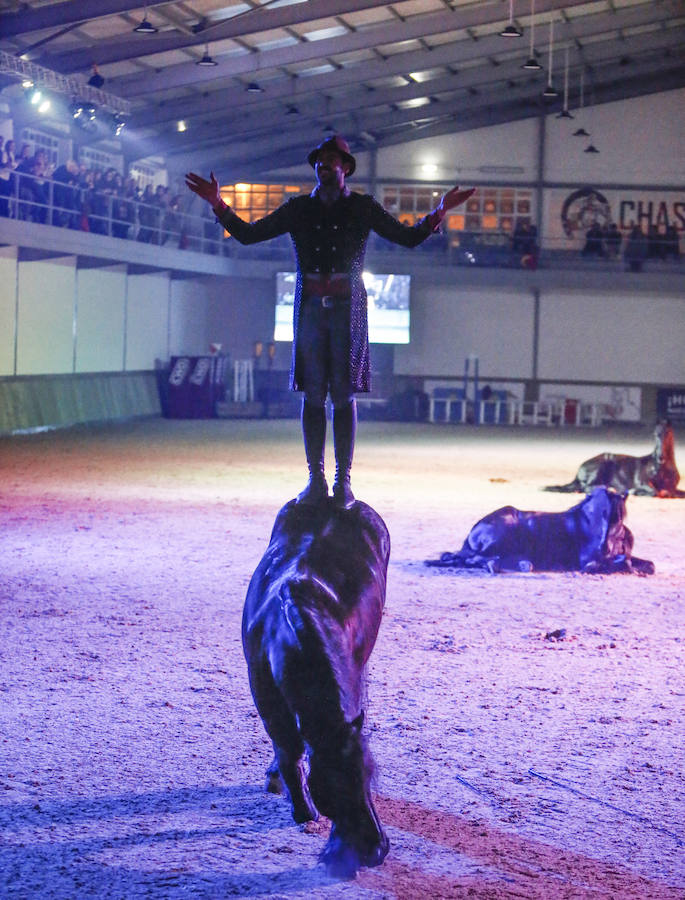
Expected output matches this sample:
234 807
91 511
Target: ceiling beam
462 112
456 53
136 46
239 106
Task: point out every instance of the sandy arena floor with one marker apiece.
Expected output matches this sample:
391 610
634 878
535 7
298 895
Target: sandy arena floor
510 765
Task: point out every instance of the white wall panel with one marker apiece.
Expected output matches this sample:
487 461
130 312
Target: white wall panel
640 142
242 311
605 337
100 320
188 328
449 324
45 327
8 301
147 320
483 153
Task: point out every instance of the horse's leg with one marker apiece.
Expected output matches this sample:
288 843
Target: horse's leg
340 782
290 759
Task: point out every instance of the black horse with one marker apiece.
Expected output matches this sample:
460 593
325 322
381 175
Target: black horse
310 622
655 475
589 537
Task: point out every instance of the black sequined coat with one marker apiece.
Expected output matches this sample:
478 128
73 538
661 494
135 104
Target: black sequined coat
327 240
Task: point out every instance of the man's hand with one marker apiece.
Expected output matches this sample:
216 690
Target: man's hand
208 190
453 198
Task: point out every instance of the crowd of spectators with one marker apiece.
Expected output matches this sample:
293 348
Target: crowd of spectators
75 196
103 201
607 243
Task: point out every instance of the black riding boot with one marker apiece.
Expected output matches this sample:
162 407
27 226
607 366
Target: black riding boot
344 430
314 433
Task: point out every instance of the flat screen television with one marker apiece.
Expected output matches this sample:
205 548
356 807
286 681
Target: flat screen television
388 307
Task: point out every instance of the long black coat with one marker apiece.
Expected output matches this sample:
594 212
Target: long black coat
328 240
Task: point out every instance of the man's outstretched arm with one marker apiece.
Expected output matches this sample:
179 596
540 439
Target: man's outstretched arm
270 226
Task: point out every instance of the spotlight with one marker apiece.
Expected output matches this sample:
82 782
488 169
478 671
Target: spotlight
44 106
181 125
35 96
118 124
26 84
76 109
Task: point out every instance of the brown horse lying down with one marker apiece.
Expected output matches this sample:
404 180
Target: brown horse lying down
655 474
589 537
311 617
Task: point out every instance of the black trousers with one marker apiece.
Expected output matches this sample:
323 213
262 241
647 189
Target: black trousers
323 350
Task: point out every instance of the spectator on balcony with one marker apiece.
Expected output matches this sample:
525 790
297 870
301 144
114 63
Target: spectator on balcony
147 216
671 243
654 243
99 204
524 244
8 164
32 188
122 211
635 251
171 227
594 241
65 195
612 241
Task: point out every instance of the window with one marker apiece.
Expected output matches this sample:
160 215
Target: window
489 210
98 159
41 141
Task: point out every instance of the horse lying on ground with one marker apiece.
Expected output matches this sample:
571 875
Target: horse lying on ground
311 617
655 474
589 537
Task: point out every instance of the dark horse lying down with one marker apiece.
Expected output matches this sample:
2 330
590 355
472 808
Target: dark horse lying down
311 617
589 537
655 474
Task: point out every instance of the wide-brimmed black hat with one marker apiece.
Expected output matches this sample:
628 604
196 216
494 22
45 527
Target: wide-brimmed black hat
340 145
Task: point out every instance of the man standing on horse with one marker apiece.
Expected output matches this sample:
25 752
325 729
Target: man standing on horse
329 229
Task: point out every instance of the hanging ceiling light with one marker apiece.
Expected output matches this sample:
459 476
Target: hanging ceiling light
565 114
206 59
591 149
511 30
549 91
531 63
254 88
145 27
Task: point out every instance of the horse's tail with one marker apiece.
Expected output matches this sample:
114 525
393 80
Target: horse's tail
461 560
573 487
446 561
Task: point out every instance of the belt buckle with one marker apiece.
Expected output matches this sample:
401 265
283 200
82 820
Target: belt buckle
327 301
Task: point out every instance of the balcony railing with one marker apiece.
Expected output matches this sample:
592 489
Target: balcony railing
45 201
